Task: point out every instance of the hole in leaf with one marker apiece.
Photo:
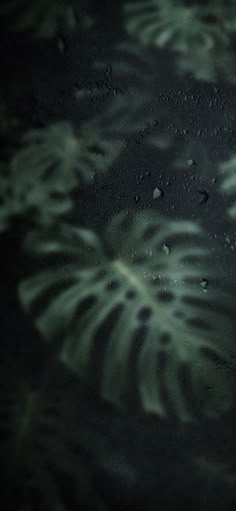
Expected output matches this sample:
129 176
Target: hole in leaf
100 342
210 19
130 294
161 361
198 323
165 338
85 305
105 328
179 314
212 355
39 304
56 195
151 231
144 313
166 296
113 285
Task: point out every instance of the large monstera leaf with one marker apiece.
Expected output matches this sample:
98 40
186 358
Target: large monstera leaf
134 313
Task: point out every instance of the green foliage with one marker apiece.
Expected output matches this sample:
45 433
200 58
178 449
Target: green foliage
131 306
228 186
202 35
40 175
43 442
45 19
50 164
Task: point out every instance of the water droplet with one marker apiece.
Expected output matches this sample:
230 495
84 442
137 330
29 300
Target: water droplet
204 284
137 197
190 163
166 249
205 196
62 45
157 193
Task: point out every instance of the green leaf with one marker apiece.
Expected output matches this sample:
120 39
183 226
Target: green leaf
228 185
51 163
132 313
201 35
45 19
43 440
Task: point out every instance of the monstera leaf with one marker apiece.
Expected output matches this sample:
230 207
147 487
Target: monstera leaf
228 186
134 313
202 35
45 19
43 442
40 176
50 164
54 160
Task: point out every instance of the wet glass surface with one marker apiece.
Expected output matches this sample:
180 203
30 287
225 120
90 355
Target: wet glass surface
118 242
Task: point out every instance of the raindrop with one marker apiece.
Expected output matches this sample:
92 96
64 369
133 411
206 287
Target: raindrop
205 196
166 249
204 284
157 193
137 197
190 163
62 45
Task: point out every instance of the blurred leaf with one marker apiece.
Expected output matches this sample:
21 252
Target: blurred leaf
45 19
131 312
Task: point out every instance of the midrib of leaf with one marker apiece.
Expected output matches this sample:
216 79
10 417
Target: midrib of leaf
125 270
132 277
